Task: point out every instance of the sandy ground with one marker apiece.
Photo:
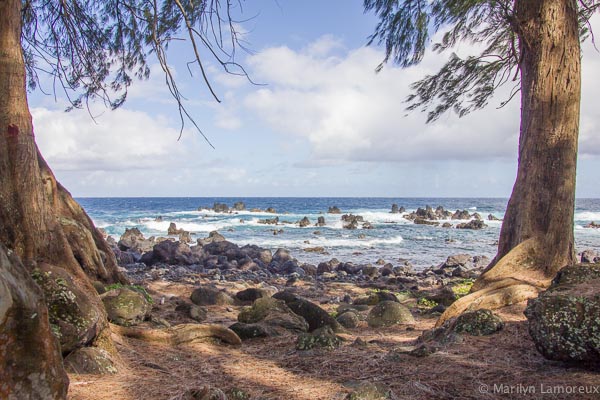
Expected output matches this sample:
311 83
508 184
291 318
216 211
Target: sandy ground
501 366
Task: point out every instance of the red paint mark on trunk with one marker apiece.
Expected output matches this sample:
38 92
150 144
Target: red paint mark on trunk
13 130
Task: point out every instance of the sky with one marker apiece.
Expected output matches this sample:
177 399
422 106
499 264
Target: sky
319 122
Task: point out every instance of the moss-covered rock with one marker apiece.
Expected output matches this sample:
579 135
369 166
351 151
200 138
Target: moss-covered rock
478 323
125 306
312 313
564 321
371 391
274 313
73 317
323 337
349 319
90 360
388 313
376 297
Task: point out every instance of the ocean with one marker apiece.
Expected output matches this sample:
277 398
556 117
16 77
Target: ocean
393 238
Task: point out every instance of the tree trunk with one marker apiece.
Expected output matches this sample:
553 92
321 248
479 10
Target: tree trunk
39 220
537 238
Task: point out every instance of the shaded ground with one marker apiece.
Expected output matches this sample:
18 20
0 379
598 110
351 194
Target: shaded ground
502 366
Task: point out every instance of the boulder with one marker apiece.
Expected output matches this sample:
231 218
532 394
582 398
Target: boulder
457 260
564 321
32 365
90 360
481 322
395 209
388 313
473 224
314 315
239 206
220 208
304 222
134 240
213 236
71 312
320 221
185 237
349 319
334 210
125 306
464 214
171 253
210 296
252 294
273 313
589 256
251 331
172 230
492 217
271 210
323 337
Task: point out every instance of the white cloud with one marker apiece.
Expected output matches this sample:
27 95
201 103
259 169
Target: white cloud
347 112
118 140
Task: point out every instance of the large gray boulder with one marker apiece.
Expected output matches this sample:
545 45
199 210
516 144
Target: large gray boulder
564 321
312 313
388 313
274 314
31 361
125 306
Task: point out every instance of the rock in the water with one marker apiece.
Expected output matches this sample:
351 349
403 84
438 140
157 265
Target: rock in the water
31 361
125 306
349 319
220 208
304 222
210 296
334 210
320 221
473 224
323 337
172 230
564 321
239 206
312 313
478 323
388 313
90 360
71 312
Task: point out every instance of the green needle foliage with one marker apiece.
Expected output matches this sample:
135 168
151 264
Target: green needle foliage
95 49
406 28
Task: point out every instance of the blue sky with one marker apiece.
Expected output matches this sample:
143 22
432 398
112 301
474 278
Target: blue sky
322 124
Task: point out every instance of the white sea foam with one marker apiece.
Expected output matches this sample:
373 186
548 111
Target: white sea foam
197 226
328 243
587 216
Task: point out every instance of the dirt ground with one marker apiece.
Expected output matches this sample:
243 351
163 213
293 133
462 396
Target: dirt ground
505 365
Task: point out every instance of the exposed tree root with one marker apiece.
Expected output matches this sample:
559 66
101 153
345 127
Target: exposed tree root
180 334
514 278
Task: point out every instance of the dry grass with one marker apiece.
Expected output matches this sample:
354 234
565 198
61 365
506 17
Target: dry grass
273 369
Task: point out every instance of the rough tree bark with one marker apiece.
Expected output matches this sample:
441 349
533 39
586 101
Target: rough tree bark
39 220
536 239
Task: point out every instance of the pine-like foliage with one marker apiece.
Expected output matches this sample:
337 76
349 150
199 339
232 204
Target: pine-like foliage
406 27
95 49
